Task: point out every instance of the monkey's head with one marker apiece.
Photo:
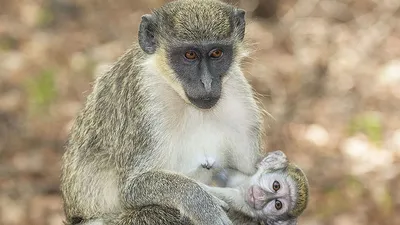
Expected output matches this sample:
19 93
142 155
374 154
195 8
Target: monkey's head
278 192
195 43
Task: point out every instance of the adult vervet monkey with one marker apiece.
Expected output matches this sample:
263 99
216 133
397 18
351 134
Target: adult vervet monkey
177 95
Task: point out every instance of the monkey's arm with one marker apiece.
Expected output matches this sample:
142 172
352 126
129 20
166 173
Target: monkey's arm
228 177
233 197
236 178
237 213
273 161
174 191
245 155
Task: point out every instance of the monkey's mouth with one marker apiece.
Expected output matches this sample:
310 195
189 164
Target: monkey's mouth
255 197
204 102
250 197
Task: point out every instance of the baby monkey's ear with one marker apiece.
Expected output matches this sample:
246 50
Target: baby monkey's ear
273 161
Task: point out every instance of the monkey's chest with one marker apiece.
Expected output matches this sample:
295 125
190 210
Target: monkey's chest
196 144
219 135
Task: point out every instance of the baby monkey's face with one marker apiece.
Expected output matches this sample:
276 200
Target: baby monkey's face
276 194
271 194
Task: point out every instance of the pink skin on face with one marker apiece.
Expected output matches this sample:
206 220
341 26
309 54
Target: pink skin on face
256 197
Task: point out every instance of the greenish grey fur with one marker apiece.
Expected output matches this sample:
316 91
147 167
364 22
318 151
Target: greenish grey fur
301 182
112 138
210 20
202 20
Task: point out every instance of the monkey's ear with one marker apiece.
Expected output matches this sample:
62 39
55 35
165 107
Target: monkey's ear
239 22
274 160
147 39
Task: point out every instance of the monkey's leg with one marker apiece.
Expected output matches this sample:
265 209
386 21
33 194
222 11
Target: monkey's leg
151 214
174 191
167 216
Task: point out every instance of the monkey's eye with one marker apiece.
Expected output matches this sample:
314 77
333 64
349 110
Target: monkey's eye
190 55
276 186
278 205
216 53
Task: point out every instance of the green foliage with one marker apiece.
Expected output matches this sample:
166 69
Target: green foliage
46 17
331 204
355 188
90 69
342 196
385 201
368 123
41 90
7 43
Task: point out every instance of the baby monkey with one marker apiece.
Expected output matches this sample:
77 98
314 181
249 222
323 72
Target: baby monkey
276 194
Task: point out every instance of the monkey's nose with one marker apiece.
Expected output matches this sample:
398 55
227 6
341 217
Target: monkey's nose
258 193
256 197
206 79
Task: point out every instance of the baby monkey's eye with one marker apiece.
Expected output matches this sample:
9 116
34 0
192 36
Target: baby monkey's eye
276 186
216 53
278 205
190 55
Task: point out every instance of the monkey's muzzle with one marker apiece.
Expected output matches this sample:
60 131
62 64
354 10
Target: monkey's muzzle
205 102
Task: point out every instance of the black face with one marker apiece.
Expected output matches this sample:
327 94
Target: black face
198 40
200 69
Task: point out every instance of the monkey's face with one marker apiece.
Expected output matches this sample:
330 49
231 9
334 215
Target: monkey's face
272 195
200 69
199 42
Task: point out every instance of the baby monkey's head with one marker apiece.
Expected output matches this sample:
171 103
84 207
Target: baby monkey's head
278 192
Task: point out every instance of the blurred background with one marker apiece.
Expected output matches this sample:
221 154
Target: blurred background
327 72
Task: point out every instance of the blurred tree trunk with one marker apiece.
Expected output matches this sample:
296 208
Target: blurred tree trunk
264 9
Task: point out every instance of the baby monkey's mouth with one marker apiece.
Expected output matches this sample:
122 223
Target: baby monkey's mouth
250 197
255 197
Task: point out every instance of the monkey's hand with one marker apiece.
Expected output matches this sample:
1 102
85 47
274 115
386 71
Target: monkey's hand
274 161
176 191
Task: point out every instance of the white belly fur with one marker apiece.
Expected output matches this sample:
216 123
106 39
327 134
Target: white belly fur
189 134
210 134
